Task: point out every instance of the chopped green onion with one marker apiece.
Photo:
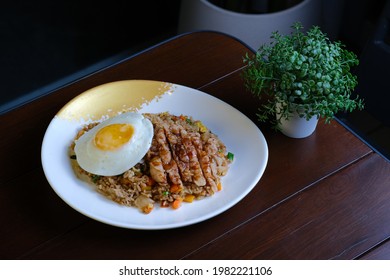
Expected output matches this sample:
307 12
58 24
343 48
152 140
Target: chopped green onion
95 178
230 156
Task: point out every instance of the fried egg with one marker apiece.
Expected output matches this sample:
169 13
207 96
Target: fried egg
115 145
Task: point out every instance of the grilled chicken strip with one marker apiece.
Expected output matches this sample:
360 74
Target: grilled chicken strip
179 152
157 171
168 162
197 173
186 154
220 163
204 160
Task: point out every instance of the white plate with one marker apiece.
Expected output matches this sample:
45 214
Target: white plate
241 136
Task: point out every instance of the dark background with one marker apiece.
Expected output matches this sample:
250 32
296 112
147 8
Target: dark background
46 44
45 41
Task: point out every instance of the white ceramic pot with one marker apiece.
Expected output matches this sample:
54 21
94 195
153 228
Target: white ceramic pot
296 126
253 29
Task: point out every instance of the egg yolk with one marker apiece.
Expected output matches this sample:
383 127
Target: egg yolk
113 136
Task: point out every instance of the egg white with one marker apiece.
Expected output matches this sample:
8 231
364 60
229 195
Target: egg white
115 162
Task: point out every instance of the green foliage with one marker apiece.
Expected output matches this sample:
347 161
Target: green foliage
305 72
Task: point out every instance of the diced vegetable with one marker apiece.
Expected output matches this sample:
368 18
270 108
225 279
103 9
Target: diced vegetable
189 198
150 181
202 127
175 189
176 204
148 208
144 203
95 178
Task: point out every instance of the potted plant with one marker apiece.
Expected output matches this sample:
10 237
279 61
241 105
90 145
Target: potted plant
303 76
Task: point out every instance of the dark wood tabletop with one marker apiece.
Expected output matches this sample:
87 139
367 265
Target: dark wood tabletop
323 197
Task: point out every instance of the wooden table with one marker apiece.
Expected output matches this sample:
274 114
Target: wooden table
323 197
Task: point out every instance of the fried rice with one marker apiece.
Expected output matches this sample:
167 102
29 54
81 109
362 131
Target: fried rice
184 163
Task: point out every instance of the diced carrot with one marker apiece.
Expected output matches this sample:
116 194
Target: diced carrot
219 186
148 208
125 181
189 198
175 188
176 204
150 181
